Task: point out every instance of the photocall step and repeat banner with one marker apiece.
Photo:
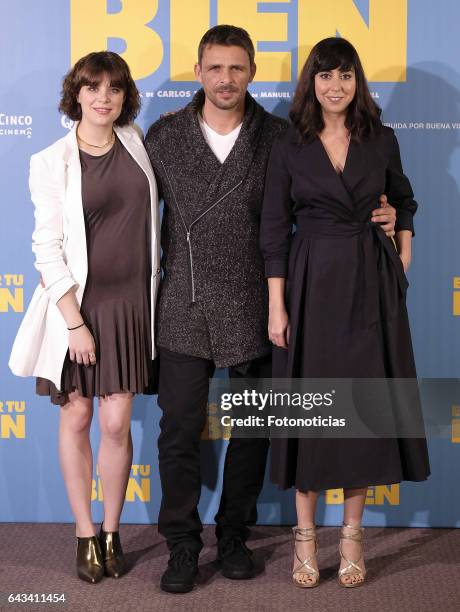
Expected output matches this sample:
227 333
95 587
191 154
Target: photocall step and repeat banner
410 51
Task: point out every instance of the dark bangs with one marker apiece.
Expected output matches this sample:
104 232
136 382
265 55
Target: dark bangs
90 70
363 114
334 54
93 71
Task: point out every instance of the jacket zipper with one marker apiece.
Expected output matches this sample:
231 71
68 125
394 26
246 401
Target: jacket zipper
189 229
191 265
215 203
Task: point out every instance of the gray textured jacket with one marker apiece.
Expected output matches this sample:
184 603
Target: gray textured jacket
213 296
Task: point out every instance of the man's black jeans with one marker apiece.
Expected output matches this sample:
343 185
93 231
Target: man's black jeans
183 397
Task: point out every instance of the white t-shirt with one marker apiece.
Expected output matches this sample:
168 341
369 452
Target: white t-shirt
221 145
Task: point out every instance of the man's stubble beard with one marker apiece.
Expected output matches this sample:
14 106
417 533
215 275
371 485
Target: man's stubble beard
222 104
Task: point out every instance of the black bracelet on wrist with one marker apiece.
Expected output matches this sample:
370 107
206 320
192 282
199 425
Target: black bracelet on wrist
72 328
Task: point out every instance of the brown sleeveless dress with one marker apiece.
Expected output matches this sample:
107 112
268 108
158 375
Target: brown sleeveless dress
116 301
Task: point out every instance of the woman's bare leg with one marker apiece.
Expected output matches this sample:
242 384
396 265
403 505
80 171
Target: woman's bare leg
352 515
115 454
76 459
306 511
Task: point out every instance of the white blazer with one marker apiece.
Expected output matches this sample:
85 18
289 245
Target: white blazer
59 244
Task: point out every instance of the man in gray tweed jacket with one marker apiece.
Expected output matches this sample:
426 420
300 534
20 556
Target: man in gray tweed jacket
210 160
213 302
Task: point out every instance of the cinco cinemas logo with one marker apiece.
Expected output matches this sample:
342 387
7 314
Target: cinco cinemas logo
11 292
380 36
376 496
456 297
12 419
16 125
138 485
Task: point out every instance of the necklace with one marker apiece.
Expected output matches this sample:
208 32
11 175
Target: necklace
336 165
96 146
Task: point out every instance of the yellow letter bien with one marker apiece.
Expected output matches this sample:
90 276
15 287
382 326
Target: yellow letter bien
92 26
382 45
272 66
13 299
189 21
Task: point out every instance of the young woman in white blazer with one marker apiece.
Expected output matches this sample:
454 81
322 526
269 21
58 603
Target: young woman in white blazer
89 329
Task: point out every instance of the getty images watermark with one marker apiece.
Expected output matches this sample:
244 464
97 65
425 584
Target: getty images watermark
332 408
270 401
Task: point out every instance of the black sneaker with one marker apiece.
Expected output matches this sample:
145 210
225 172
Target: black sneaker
182 569
236 558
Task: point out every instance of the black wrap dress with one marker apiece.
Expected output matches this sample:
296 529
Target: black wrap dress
345 296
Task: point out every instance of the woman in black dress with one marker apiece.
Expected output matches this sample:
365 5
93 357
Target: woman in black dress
337 288
88 332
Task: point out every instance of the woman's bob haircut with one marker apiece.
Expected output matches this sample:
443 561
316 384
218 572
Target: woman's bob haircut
90 70
363 114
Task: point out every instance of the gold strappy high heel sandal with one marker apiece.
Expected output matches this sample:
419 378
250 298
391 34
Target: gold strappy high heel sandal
304 575
352 569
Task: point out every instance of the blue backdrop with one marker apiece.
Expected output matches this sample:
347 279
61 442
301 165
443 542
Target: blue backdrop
410 50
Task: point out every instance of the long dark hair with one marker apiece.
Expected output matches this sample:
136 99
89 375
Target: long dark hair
363 114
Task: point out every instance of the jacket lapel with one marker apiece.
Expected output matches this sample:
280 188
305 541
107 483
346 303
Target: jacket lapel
73 199
238 163
71 157
339 188
355 170
135 148
205 164
222 179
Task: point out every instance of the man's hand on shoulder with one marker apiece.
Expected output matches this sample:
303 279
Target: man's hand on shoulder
385 216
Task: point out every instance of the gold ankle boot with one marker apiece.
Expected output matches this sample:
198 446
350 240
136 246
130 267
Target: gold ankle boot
112 553
90 566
